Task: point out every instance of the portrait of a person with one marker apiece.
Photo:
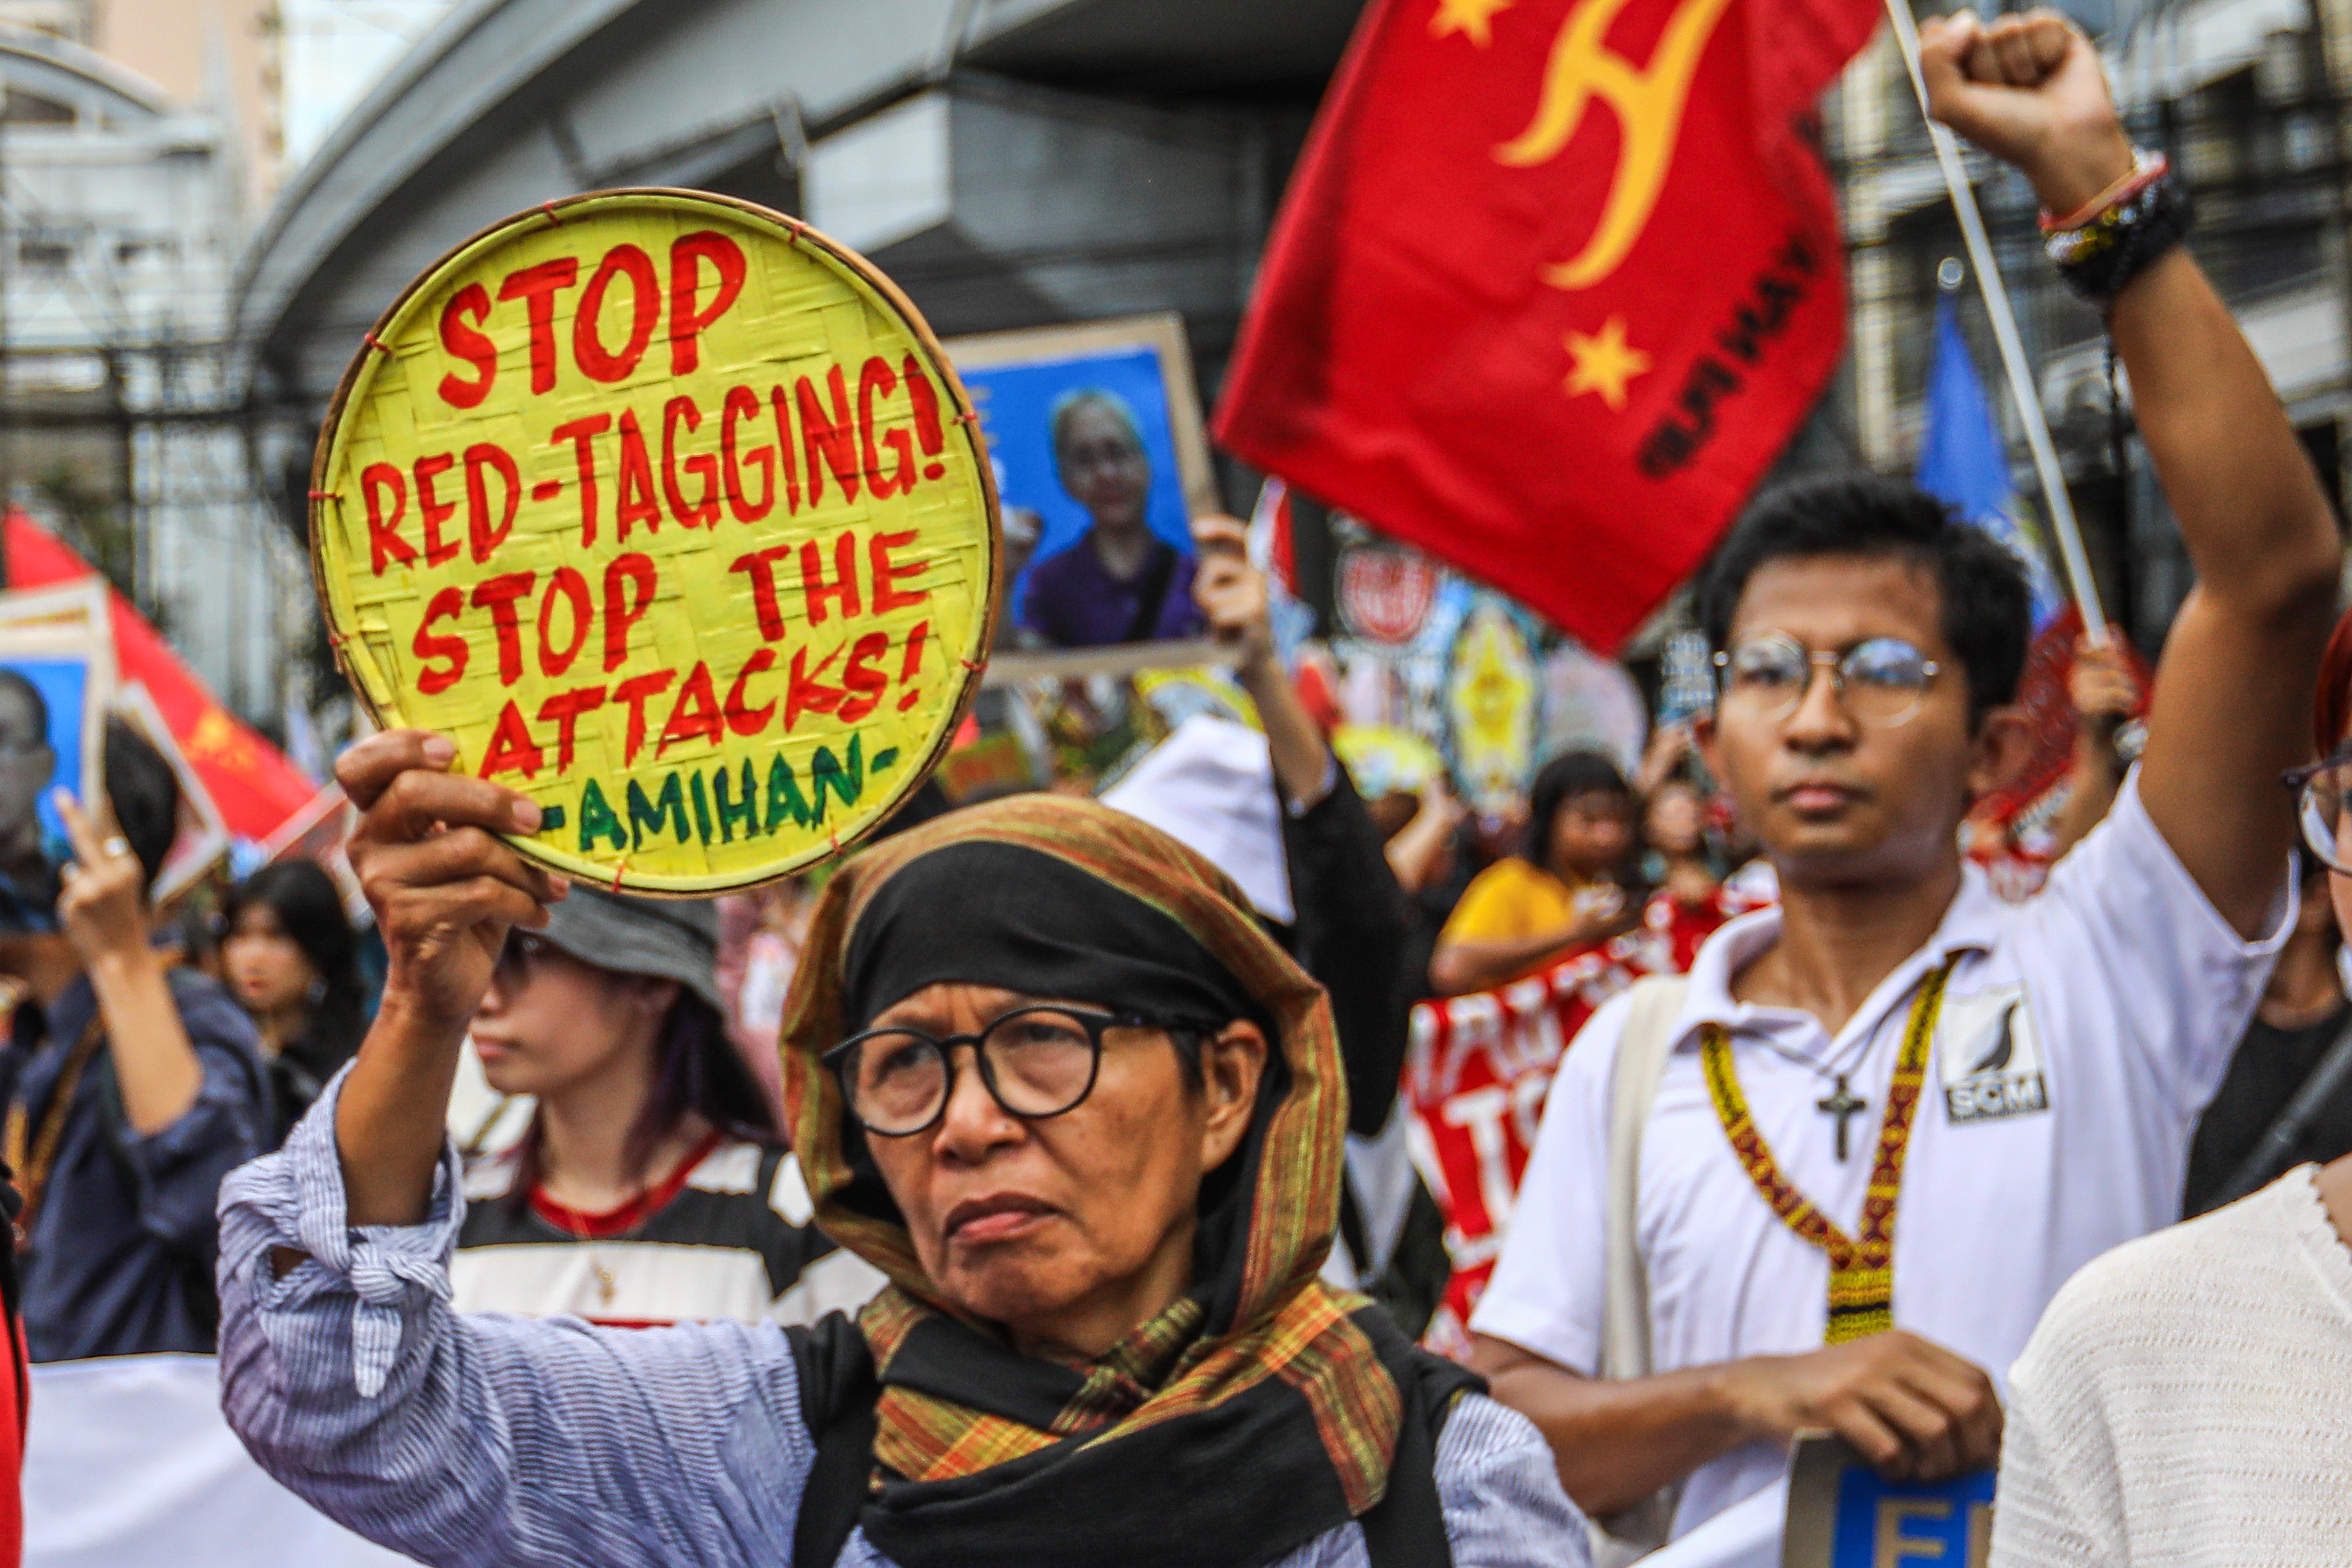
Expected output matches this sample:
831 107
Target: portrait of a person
27 764
1120 581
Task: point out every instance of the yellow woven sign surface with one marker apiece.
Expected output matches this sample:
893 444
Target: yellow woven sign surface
670 513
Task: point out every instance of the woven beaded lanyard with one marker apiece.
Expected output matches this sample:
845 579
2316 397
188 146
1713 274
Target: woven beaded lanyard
1862 1267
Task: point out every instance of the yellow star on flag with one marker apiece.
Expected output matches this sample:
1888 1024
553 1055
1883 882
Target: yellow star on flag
1604 363
1473 17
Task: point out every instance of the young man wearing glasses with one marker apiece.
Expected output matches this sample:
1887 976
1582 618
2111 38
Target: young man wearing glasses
1893 1115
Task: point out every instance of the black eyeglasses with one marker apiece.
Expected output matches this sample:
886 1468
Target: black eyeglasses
1882 682
2320 787
1036 1062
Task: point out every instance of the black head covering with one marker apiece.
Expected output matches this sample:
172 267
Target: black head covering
1002 915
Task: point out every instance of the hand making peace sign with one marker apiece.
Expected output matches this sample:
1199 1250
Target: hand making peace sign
103 907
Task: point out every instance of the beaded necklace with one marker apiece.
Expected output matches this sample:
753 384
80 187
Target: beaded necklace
1862 1266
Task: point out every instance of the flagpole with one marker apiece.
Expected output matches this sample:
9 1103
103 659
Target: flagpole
2060 505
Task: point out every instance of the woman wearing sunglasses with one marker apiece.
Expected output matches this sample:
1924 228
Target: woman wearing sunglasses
649 1185
1046 1072
2188 1397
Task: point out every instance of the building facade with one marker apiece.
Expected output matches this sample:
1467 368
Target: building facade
1021 163
2247 97
120 427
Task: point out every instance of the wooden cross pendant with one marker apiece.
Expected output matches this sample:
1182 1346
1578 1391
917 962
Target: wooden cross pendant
1845 1106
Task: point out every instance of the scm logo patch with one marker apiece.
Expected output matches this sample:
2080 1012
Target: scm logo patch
1989 1056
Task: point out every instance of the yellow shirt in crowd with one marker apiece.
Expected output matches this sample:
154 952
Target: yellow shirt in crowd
1510 899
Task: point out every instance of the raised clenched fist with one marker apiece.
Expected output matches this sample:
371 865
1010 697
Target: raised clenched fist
2028 90
2101 685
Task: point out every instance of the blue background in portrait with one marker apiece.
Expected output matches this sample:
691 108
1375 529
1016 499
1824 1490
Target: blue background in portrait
1860 1492
1015 401
64 685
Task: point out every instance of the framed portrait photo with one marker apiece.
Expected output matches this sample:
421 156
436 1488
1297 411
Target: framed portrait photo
1101 463
55 679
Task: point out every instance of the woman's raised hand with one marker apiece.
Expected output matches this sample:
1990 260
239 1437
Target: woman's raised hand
102 906
444 886
446 890
1231 592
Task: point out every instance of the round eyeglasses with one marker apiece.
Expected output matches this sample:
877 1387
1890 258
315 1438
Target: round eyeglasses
1882 682
1035 1061
2320 788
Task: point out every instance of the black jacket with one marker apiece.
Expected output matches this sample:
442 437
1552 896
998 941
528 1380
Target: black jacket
1351 931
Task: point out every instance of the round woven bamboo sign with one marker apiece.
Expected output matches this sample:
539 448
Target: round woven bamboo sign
669 512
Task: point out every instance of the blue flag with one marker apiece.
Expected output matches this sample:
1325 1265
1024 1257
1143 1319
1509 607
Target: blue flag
1962 461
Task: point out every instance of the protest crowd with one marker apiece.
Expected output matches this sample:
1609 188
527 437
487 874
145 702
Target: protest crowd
1202 1117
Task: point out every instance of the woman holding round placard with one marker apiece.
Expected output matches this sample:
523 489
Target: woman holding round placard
1047 1073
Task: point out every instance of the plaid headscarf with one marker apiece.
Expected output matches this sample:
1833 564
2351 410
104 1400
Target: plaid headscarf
984 1455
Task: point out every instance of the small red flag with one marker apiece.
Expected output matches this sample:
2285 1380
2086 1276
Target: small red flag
1554 283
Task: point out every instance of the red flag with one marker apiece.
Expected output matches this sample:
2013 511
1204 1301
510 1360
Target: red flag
1554 283
254 786
2011 830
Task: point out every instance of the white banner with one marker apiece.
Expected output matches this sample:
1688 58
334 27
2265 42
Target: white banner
130 1465
1745 1535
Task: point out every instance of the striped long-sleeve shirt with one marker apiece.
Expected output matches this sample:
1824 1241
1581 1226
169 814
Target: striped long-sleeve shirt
476 1438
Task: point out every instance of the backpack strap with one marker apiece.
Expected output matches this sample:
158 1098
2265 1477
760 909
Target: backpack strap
838 1393
2276 1149
1406 1528
1626 1351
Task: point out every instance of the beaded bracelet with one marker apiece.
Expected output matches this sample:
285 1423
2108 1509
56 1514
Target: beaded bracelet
2147 215
2146 168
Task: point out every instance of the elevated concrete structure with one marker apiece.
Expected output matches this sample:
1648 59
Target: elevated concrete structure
1012 162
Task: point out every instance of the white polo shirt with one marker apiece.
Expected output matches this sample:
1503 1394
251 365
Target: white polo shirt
2081 1033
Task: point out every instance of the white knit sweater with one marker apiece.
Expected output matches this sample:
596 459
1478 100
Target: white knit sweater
2187 1400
